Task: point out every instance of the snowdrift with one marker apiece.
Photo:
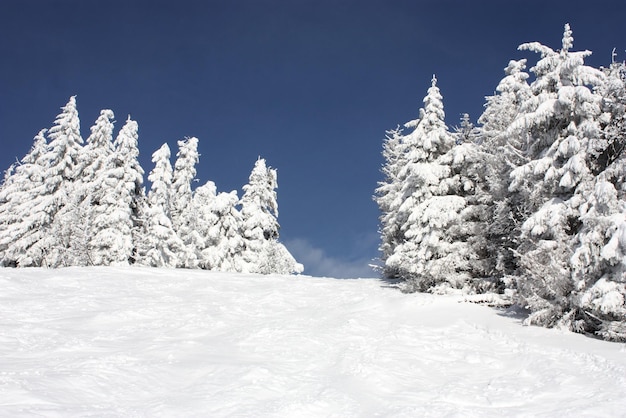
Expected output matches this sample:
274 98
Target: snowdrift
159 342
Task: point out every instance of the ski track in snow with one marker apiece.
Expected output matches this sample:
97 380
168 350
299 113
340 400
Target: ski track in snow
111 342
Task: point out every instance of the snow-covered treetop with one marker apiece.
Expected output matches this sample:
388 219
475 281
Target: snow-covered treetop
433 103
259 206
65 144
568 39
431 133
161 178
561 68
95 154
39 148
102 130
126 143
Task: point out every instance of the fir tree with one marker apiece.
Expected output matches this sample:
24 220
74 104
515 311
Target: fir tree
183 176
502 153
259 210
116 213
24 200
201 224
126 158
87 200
63 168
556 127
226 241
389 198
181 195
426 205
598 264
161 247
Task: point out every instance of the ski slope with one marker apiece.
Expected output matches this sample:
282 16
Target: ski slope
138 342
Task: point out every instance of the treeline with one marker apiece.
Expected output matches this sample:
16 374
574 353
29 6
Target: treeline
530 203
75 203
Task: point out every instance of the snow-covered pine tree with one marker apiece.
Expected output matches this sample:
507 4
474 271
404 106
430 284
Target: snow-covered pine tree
202 206
599 260
259 207
184 174
557 124
388 197
502 153
504 106
466 132
160 246
119 193
181 199
24 201
79 215
259 210
63 168
425 260
225 241
469 233
126 158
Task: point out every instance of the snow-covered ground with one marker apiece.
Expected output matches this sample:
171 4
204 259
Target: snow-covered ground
156 342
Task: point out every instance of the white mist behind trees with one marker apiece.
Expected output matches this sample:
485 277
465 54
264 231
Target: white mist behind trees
69 204
532 202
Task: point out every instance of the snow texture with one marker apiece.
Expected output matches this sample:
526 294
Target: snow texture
124 341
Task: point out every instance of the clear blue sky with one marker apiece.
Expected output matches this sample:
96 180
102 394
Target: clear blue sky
310 85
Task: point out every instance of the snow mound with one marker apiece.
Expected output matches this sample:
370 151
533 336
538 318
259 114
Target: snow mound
158 342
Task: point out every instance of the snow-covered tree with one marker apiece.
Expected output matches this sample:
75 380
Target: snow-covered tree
598 264
259 210
502 153
434 204
504 106
200 225
226 243
126 158
184 174
258 204
389 198
466 132
86 201
116 213
98 148
63 168
558 124
160 246
24 200
427 207
181 195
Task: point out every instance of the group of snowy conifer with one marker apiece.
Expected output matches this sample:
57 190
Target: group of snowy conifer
530 203
69 204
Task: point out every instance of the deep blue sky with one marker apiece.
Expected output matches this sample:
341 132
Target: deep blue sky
310 85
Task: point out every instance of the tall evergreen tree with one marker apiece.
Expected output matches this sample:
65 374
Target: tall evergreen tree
599 261
126 158
259 210
116 212
556 127
389 198
87 200
24 201
227 244
426 205
184 174
161 247
181 196
63 168
200 225
503 153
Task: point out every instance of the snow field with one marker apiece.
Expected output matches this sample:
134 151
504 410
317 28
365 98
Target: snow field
161 342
